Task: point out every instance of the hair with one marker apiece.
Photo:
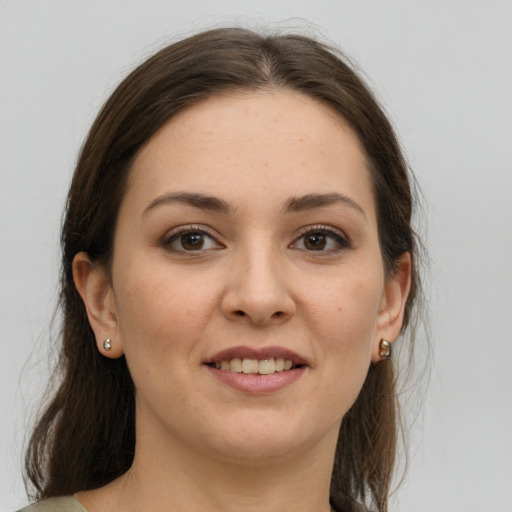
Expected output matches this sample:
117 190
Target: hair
85 437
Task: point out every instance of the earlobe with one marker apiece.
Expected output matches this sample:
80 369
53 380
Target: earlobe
391 314
94 287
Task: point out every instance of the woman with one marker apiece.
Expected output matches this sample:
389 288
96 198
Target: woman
238 259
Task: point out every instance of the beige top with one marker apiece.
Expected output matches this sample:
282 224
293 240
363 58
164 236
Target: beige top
71 504
61 504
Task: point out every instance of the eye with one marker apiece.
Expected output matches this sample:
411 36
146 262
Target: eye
190 240
321 239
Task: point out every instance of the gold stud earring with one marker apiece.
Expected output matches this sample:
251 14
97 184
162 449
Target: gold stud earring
107 345
384 349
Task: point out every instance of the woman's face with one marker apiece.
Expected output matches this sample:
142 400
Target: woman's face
247 239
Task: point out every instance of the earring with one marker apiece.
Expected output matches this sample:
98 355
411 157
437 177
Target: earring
107 344
384 349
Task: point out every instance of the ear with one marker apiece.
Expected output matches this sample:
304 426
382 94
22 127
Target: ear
394 297
94 287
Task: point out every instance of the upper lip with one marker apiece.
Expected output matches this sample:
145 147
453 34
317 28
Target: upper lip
244 352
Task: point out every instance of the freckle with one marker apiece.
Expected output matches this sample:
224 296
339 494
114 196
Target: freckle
266 164
301 140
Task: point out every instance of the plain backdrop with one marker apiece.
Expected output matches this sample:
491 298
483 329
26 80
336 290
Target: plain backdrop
442 69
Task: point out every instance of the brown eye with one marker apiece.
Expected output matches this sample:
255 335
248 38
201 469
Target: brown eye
315 242
322 240
192 241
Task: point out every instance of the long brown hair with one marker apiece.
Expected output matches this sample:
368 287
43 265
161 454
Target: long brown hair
86 436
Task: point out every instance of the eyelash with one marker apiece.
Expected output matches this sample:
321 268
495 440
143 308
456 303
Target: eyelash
176 236
338 237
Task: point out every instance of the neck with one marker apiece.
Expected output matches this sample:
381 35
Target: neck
201 483
173 477
231 488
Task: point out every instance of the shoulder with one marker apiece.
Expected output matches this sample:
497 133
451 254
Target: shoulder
60 504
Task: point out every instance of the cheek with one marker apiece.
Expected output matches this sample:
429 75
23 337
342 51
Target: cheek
346 328
160 318
346 304
161 308
342 316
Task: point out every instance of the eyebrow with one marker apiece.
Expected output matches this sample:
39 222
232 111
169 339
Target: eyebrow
213 204
312 201
292 205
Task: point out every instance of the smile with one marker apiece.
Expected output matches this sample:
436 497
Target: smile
257 370
266 366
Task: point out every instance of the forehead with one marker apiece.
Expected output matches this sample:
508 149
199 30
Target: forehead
251 143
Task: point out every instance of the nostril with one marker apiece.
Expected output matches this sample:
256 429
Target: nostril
239 313
277 314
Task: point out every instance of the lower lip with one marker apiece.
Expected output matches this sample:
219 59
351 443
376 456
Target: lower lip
256 383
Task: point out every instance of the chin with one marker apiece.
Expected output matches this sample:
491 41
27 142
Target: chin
263 439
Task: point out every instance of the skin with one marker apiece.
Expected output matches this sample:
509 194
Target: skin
202 445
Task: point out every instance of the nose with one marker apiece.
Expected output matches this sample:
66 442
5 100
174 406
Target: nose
258 290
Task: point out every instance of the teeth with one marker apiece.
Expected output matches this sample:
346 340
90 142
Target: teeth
236 365
267 366
249 365
255 366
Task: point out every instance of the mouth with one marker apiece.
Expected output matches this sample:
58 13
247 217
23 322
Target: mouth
250 366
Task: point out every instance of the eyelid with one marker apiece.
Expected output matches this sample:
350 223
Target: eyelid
174 234
341 238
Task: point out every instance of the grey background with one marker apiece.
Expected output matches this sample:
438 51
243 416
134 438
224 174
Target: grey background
443 70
